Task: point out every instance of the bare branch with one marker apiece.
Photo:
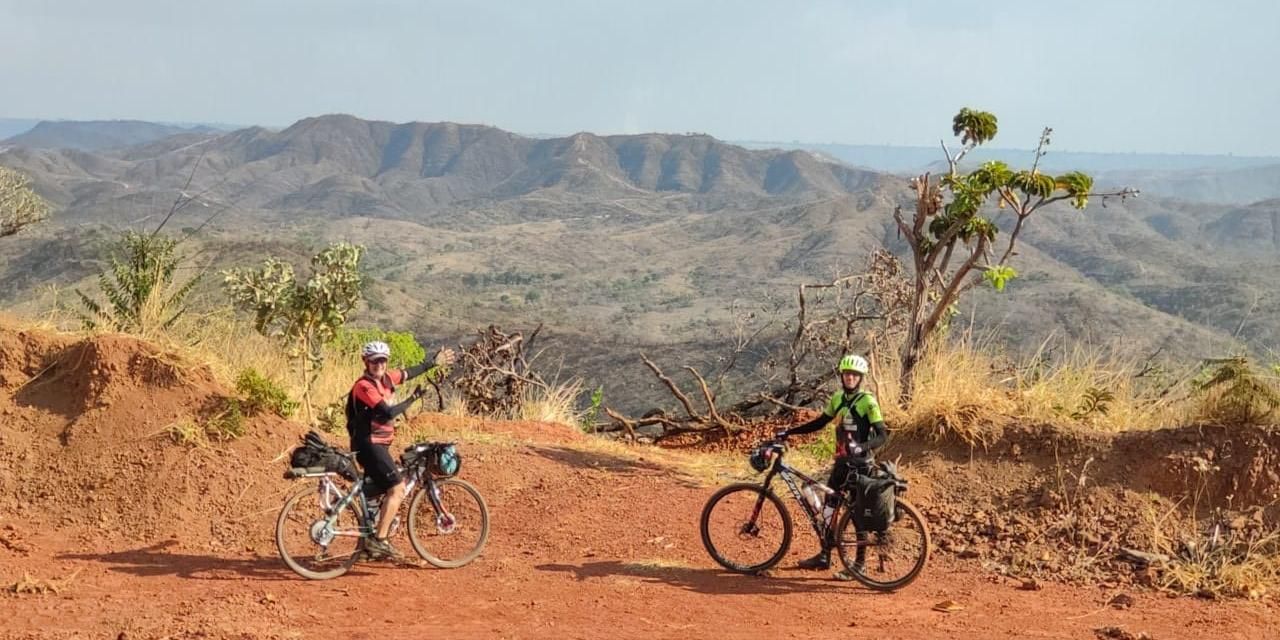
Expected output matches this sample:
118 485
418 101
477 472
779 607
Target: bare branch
903 229
772 400
627 423
1013 238
711 401
954 162
178 202
1245 318
675 391
948 295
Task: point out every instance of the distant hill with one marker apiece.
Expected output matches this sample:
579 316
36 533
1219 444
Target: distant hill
1195 177
1254 228
627 243
95 135
344 165
13 126
907 159
1234 186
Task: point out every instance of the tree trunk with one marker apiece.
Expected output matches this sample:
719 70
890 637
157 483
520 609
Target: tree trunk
306 382
917 339
912 352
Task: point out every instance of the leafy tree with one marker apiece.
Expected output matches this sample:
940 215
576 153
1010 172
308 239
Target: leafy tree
954 244
302 315
406 351
139 287
20 207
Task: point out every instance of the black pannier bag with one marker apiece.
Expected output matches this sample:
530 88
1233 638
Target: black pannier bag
875 500
314 452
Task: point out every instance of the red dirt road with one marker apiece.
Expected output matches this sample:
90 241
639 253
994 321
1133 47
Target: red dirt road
584 545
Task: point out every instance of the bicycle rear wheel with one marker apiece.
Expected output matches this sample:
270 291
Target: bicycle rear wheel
454 538
888 560
746 528
311 548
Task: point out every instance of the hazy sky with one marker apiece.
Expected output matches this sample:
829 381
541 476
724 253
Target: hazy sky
1172 76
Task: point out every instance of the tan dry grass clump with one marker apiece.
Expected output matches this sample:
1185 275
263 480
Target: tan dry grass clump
558 404
1212 559
967 390
31 585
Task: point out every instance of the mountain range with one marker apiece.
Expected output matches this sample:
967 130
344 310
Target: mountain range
625 243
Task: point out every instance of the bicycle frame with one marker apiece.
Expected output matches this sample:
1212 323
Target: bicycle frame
329 492
789 475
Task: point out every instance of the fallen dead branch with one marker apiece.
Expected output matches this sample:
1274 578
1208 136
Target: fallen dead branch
494 373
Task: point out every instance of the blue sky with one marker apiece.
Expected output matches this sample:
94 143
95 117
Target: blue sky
1174 76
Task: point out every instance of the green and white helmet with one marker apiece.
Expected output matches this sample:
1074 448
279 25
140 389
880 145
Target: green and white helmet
854 363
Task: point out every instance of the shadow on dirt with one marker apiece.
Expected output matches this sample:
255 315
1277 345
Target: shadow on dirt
155 561
710 581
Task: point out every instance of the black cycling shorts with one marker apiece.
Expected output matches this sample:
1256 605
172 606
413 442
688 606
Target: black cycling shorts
840 473
379 469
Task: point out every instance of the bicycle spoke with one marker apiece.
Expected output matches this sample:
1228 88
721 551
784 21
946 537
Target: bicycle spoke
309 544
890 559
454 536
744 530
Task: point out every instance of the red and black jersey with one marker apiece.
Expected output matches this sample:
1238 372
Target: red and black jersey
370 416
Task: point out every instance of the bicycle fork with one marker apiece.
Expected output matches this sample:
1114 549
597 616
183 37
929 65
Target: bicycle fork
445 522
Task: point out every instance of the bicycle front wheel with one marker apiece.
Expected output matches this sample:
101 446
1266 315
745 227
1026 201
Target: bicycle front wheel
746 528
886 560
454 537
311 546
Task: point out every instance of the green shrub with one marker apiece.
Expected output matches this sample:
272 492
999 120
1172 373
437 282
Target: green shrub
824 448
405 349
592 414
259 393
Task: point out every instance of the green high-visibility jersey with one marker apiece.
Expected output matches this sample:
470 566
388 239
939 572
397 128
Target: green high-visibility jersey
856 413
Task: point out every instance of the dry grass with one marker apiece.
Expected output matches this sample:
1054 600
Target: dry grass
968 391
187 433
1098 389
557 404
958 395
32 585
228 344
1213 560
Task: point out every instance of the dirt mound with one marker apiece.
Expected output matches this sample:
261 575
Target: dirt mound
85 442
23 353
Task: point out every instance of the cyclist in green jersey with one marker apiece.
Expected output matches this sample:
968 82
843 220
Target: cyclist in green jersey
859 429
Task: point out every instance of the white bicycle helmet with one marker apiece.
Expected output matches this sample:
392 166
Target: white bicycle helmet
375 349
855 363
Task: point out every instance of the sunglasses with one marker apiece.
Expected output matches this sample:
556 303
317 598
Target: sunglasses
376 360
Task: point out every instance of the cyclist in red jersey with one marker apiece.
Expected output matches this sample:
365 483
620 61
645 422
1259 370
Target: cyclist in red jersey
371 413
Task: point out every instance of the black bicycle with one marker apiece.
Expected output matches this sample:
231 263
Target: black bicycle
747 529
